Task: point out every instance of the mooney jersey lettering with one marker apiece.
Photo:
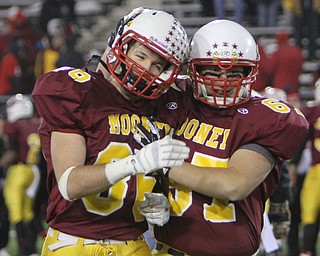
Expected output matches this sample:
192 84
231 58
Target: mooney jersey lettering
75 101
203 226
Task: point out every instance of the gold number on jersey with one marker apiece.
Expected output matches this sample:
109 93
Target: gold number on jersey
181 200
144 184
113 201
79 75
276 106
298 111
217 211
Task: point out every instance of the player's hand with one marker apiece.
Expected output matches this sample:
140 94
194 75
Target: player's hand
166 152
145 137
279 215
156 155
155 208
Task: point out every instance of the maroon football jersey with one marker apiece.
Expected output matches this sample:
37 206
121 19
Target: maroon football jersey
24 133
75 101
312 114
200 225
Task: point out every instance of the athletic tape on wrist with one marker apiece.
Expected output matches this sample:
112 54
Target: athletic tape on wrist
63 183
120 169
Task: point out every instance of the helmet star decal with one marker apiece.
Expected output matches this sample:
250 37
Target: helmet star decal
223 52
176 39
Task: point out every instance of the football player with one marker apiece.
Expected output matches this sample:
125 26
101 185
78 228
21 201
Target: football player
95 172
309 200
278 203
238 145
23 175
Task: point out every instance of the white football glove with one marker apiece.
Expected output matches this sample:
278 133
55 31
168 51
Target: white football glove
155 208
166 152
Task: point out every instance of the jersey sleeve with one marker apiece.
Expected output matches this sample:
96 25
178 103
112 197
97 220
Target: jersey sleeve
58 98
282 127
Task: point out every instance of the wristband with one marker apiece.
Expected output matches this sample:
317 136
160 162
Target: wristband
63 183
120 169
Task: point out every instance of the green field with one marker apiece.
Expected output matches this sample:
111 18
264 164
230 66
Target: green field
13 249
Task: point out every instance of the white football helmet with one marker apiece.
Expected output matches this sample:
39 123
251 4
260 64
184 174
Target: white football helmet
223 44
18 107
274 93
156 30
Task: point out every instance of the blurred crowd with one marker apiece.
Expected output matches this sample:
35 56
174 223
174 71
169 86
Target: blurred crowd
31 48
303 15
28 50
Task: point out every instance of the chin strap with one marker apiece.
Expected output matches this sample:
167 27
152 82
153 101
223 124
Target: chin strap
96 59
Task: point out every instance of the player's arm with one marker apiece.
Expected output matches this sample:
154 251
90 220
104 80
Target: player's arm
69 150
76 180
246 170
